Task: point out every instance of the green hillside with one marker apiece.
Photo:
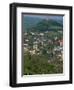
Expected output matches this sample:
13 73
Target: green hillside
48 25
43 25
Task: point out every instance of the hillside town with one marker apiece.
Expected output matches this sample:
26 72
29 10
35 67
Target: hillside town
44 43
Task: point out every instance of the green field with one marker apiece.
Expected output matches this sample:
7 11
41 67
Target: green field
38 64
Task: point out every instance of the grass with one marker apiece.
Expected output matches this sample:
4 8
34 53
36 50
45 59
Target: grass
38 64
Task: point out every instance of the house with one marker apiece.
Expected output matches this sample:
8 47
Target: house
32 33
32 52
58 48
56 38
60 42
41 34
60 56
25 47
26 40
35 45
59 52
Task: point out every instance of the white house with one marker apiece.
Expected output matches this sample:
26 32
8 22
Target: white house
32 52
35 45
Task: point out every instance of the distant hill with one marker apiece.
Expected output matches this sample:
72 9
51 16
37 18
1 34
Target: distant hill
30 22
39 24
48 25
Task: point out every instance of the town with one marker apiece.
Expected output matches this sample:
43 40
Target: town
43 43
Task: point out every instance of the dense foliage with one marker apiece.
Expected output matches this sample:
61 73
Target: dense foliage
39 65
